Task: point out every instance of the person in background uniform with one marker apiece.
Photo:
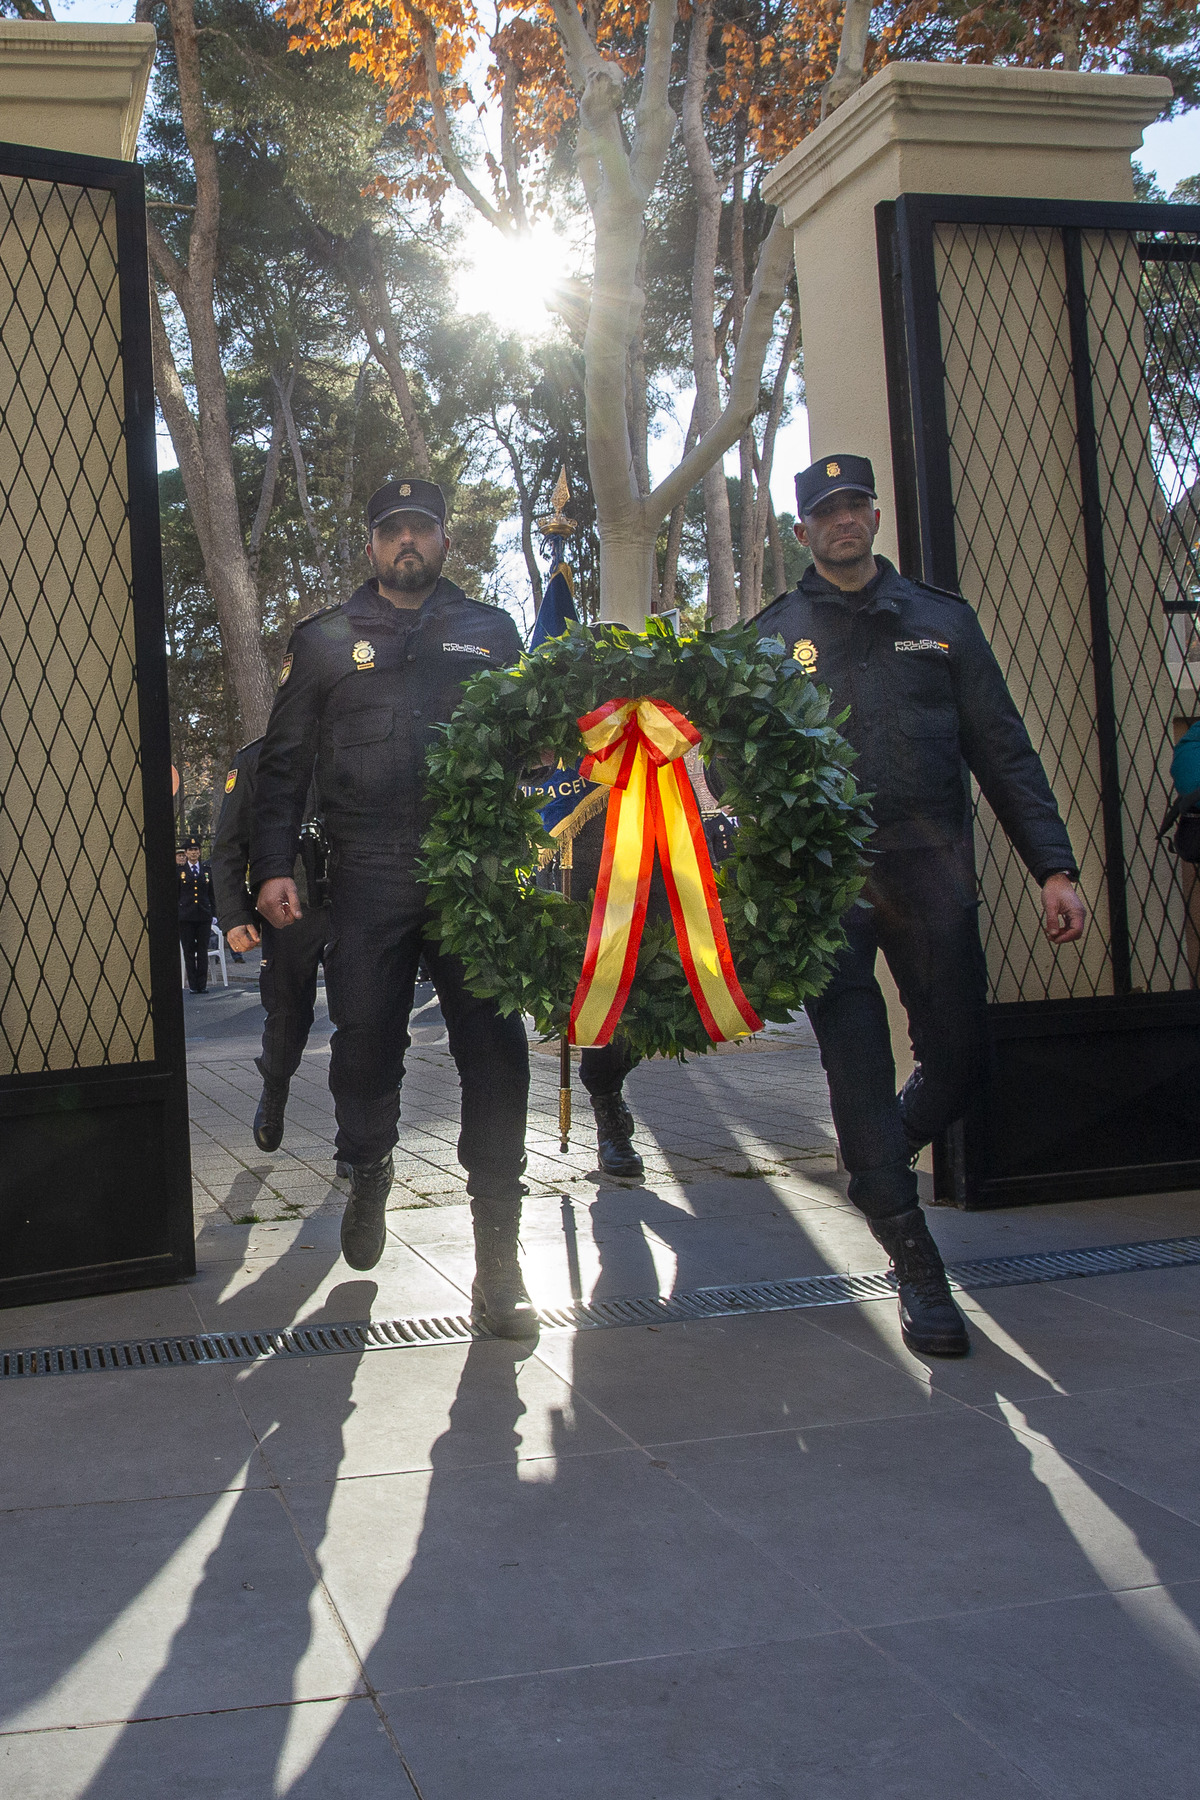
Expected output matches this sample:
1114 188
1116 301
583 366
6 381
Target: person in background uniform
362 691
925 695
287 981
196 910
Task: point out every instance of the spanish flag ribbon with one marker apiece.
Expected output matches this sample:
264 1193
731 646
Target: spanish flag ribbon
634 747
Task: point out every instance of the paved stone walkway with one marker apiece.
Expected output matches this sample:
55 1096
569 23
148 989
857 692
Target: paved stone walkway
756 1558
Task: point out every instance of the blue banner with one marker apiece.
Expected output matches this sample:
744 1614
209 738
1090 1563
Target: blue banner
570 801
558 603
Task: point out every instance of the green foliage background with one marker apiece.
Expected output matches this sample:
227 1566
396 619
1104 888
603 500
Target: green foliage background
798 862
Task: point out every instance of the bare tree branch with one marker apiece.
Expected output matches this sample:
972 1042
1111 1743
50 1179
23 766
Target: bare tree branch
452 161
284 391
266 493
770 281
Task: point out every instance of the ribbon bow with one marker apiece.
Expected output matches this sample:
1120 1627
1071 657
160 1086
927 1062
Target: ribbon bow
634 749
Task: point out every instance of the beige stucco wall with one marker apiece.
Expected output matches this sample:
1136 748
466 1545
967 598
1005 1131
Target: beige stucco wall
73 934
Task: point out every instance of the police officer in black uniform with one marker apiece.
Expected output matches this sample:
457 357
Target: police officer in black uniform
287 981
197 907
362 690
926 695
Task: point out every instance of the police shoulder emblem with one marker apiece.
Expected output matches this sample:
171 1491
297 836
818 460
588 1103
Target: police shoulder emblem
364 654
804 651
231 781
833 469
286 670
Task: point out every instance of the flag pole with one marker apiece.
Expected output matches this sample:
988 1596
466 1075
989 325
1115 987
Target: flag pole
557 529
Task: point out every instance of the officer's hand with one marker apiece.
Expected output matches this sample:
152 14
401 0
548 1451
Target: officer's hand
278 901
1064 910
242 938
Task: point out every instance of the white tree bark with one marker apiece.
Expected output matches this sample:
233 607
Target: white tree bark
852 54
722 598
618 180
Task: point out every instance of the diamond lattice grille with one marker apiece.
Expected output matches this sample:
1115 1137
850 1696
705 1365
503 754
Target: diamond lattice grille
1144 338
73 932
1022 562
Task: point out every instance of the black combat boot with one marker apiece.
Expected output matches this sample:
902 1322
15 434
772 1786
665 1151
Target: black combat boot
499 1298
363 1228
930 1323
268 1120
614 1136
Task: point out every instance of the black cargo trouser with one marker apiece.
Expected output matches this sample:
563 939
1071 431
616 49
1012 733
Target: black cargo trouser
378 923
287 986
923 915
193 938
602 1071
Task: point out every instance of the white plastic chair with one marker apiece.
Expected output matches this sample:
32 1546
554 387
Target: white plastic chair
218 950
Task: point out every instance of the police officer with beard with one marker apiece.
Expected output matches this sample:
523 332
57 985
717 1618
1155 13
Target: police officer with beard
925 695
362 690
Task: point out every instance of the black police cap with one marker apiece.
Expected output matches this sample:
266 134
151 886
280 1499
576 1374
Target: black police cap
838 474
406 495
192 844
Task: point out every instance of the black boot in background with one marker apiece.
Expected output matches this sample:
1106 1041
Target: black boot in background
614 1136
364 1231
268 1120
930 1323
499 1298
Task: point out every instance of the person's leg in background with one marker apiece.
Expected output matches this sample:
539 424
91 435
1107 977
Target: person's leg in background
193 937
287 985
602 1073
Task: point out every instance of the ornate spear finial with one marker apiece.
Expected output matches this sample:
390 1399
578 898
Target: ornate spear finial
558 525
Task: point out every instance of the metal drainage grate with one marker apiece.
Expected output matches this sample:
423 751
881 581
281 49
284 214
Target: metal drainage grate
595 1315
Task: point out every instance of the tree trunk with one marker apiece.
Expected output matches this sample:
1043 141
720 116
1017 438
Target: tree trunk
345 550
778 567
626 573
718 530
284 391
204 444
619 175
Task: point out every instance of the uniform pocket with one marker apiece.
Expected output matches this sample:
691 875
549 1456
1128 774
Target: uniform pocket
923 695
370 726
360 775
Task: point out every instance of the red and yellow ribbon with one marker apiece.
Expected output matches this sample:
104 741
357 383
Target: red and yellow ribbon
634 748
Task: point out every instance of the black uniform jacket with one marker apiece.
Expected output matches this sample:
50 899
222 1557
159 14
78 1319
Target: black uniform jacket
231 843
363 688
196 899
925 695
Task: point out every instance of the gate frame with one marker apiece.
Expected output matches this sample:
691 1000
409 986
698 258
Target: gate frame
106 1093
925 521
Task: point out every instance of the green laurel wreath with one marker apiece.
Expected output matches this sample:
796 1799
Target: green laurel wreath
796 867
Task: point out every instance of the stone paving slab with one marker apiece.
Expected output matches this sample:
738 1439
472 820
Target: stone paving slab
748 1558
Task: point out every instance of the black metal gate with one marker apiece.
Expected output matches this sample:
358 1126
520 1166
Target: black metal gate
95 1183
1044 391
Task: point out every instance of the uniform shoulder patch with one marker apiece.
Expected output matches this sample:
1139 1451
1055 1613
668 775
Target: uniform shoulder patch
231 781
322 612
939 593
770 607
